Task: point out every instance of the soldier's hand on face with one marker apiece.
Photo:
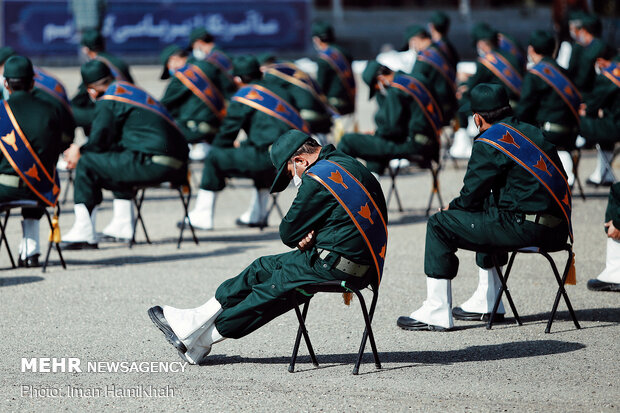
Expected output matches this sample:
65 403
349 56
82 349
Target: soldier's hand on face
582 109
612 232
307 242
72 156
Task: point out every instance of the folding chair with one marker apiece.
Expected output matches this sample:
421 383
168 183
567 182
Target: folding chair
335 287
138 201
274 205
608 162
576 155
67 186
27 203
560 280
433 166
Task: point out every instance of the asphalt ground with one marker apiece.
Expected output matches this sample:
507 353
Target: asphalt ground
96 311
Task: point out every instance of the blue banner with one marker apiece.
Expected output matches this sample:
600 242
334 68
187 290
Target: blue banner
43 28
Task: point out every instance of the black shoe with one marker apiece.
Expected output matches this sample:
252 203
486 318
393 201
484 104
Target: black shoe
195 227
411 324
459 314
29 262
79 245
597 184
108 238
157 317
250 224
597 285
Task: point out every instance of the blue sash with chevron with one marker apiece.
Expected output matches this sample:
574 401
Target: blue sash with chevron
268 102
502 68
528 155
507 45
561 84
127 93
434 58
199 83
51 85
294 75
414 88
443 46
612 72
220 60
116 72
342 67
359 205
24 160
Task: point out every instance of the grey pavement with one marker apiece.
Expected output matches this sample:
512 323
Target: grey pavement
96 311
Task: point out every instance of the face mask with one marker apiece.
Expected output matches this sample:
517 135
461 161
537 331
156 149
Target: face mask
530 61
597 69
480 52
296 179
171 71
199 54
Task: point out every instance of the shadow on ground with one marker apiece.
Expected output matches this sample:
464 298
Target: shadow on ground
10 281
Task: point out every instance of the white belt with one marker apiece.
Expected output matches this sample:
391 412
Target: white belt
345 265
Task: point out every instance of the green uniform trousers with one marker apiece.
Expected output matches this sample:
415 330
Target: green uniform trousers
261 292
483 232
247 161
378 151
562 141
9 193
119 172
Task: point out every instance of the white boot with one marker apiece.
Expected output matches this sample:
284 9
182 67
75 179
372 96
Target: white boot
201 216
437 308
82 234
121 226
483 299
199 346
256 213
601 174
462 145
199 151
611 273
567 163
29 247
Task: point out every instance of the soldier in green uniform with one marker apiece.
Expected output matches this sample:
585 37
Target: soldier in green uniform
402 127
609 279
501 205
43 135
600 120
131 143
543 104
5 53
328 246
585 51
439 26
250 158
93 46
339 93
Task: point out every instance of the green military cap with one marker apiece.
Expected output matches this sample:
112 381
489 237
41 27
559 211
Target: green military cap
369 76
165 55
440 20
18 67
93 40
281 151
415 30
94 70
246 66
543 42
5 53
575 17
200 33
482 31
323 30
486 97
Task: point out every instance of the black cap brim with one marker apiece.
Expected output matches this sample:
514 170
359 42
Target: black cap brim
282 180
165 74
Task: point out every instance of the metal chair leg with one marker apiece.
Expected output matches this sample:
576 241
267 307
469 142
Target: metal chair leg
4 239
138 200
185 203
561 290
576 160
368 334
301 317
393 190
504 289
68 187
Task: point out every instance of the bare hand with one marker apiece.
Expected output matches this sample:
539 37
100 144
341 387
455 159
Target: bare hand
582 109
72 156
612 232
236 144
307 242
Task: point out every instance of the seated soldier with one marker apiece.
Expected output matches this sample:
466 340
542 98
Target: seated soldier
609 279
405 124
134 141
28 173
329 246
195 97
263 111
438 27
505 202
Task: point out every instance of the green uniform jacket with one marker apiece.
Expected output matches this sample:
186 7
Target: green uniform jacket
606 96
262 129
484 75
83 107
195 118
66 120
581 65
492 177
540 102
121 126
613 205
315 208
332 86
44 134
445 95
